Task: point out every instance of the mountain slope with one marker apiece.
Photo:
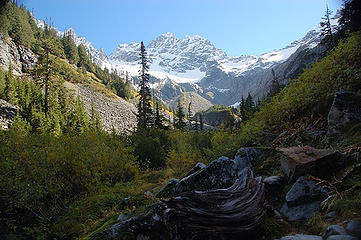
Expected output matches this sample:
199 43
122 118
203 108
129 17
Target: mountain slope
194 64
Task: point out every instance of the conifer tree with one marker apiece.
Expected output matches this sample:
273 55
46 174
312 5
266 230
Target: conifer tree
189 115
83 57
70 48
145 112
179 122
201 122
158 118
10 88
275 86
95 121
326 27
351 15
242 109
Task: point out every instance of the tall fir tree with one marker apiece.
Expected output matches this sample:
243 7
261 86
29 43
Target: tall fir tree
189 115
158 117
179 122
145 111
201 124
350 16
326 28
70 49
275 85
10 88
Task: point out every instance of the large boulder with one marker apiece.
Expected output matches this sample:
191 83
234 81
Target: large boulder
236 212
335 230
345 111
354 228
301 237
303 199
220 173
341 237
298 161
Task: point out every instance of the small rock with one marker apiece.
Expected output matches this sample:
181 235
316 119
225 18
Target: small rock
354 228
272 180
331 215
149 194
304 191
121 217
335 230
341 237
301 212
303 199
126 200
301 237
273 183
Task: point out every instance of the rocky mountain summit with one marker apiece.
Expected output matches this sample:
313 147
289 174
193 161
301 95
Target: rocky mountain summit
194 64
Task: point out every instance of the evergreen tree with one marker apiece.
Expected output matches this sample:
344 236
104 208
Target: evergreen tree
189 115
44 71
179 117
250 107
351 16
80 119
83 57
159 118
201 122
326 28
10 88
70 49
145 112
95 121
242 109
275 86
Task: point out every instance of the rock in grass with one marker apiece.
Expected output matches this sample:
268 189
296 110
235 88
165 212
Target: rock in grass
335 230
303 199
299 161
301 237
341 237
354 228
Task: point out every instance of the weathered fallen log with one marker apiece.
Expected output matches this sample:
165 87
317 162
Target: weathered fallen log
232 213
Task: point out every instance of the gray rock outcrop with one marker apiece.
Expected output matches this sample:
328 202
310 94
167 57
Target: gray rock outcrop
20 57
354 228
301 237
345 111
114 111
7 113
220 173
303 199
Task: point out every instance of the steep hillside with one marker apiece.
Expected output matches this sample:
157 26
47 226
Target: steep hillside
114 111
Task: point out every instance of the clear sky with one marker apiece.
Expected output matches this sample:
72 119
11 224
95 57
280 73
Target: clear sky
238 27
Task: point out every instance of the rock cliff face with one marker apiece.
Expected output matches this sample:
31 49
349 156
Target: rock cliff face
20 57
114 111
7 113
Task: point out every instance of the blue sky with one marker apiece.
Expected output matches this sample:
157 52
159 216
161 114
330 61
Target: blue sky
238 27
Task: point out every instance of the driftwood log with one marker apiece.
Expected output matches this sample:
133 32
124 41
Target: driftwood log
235 211
232 213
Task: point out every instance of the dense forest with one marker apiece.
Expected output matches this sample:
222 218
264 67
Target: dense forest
63 177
